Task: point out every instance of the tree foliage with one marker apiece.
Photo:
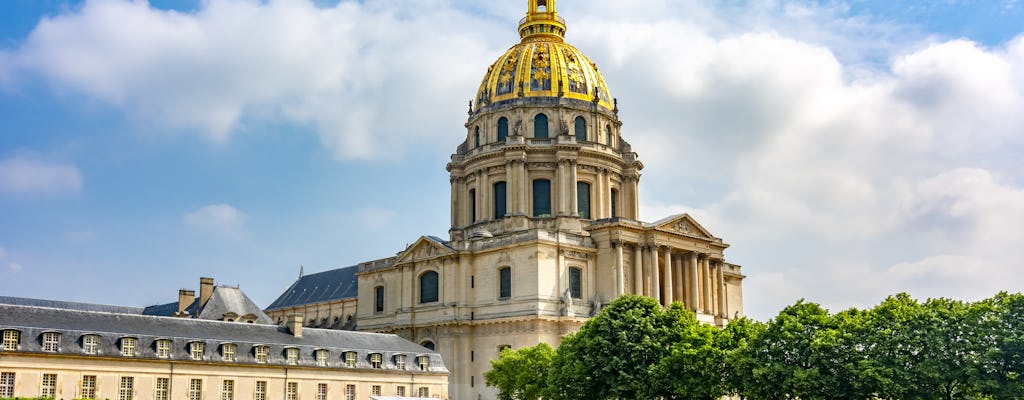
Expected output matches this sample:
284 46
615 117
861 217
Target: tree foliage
901 349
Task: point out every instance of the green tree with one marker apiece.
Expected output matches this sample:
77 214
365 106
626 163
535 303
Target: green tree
521 374
1004 361
695 366
785 365
737 379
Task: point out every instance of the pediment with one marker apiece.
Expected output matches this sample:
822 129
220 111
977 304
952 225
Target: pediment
424 248
683 224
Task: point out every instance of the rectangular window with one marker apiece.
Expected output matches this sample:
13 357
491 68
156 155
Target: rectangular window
321 391
261 390
163 348
504 282
583 199
400 361
472 205
128 346
321 357
499 200
48 389
424 362
541 198
6 384
576 283
227 390
424 392
375 390
350 359
400 391
195 389
51 341
162 387
90 343
261 354
291 355
293 391
615 203
350 392
198 350
376 360
88 387
11 339
378 299
126 389
227 350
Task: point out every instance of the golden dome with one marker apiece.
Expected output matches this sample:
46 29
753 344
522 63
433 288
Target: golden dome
542 65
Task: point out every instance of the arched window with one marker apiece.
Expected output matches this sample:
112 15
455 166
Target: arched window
541 198
615 203
502 129
476 138
583 199
378 299
499 200
472 205
428 344
608 135
504 282
428 287
540 126
576 283
581 129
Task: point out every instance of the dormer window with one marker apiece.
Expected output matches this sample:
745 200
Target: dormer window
321 357
128 346
350 359
163 348
197 350
51 341
11 339
227 351
291 355
376 360
90 344
260 353
400 361
424 362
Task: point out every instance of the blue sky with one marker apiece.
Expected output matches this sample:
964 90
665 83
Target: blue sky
847 150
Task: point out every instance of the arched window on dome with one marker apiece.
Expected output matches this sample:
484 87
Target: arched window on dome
541 198
608 135
476 138
428 287
502 129
540 126
581 129
472 205
615 203
583 199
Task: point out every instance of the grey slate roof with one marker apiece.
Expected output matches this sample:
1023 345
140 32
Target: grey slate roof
335 284
33 321
68 305
227 299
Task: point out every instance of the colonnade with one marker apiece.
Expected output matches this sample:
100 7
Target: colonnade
669 274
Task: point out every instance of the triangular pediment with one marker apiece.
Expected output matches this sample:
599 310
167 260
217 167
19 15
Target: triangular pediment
425 248
683 224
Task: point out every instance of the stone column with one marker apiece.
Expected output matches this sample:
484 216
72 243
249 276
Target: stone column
521 184
652 254
638 273
723 308
560 195
510 182
598 202
669 284
694 287
706 271
455 201
620 276
677 284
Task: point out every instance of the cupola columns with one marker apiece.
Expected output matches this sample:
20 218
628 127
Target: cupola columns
541 22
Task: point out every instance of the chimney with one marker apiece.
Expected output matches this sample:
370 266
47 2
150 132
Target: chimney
205 290
294 324
185 299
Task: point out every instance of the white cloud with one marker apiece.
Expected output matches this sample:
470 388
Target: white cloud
375 217
26 175
218 218
15 268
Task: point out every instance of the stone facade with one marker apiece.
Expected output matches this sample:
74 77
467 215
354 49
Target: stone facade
545 227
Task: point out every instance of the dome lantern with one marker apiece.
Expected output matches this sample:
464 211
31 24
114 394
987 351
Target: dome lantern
541 22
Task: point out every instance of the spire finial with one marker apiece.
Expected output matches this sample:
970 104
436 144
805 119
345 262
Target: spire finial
541 22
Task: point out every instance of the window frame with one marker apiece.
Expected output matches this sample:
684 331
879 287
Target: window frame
504 282
90 343
7 383
88 387
400 361
291 355
500 199
197 350
228 352
351 359
48 386
436 291
163 348
541 125
502 127
580 128
322 357
260 390
423 362
227 389
376 360
126 388
261 353
575 290
321 391
535 191
584 206
379 299
292 391
51 342
350 392
11 339
195 389
129 346
162 388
